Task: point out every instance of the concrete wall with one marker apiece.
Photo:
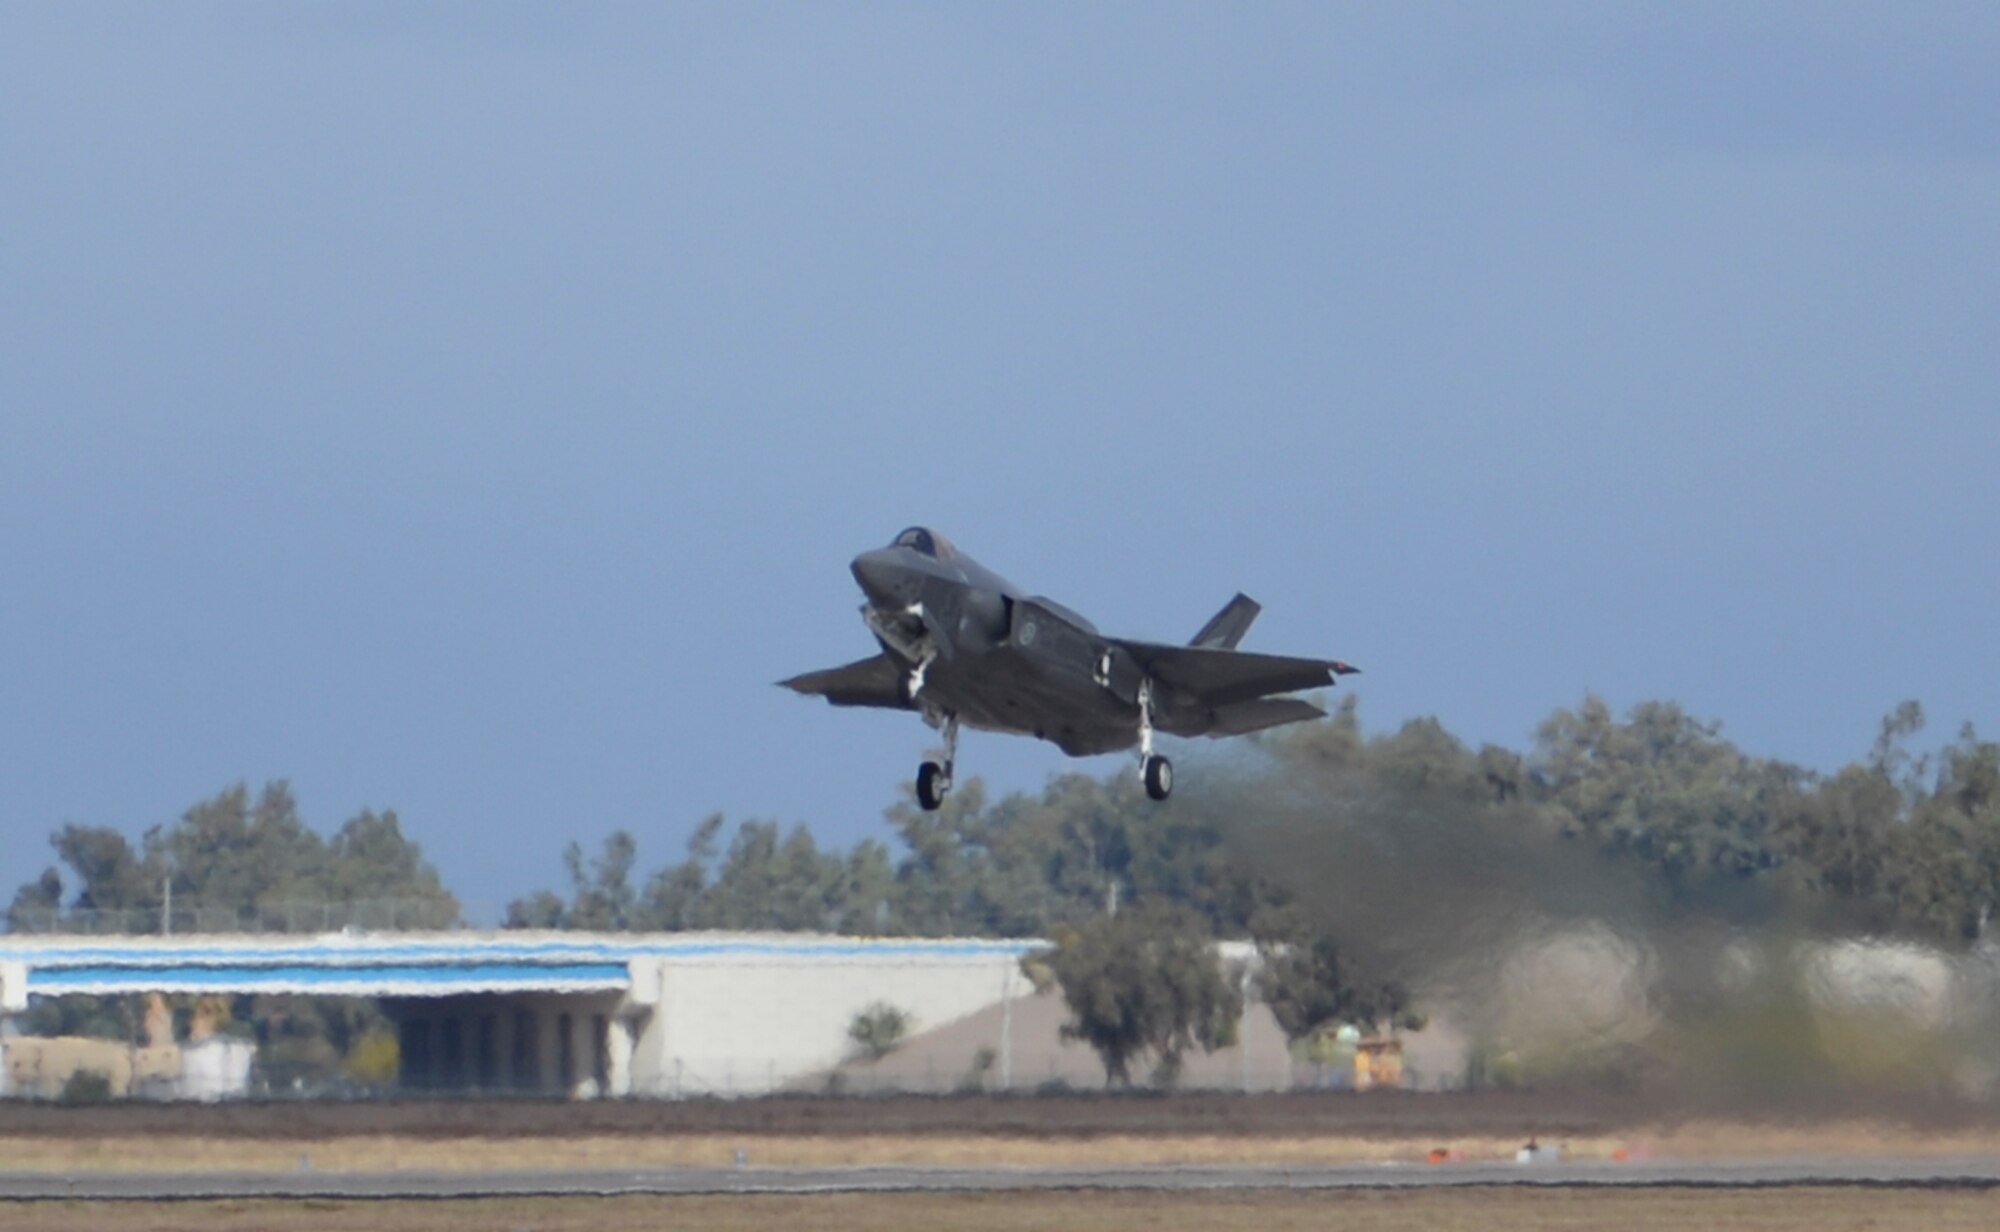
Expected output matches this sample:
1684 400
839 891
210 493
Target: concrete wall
749 1024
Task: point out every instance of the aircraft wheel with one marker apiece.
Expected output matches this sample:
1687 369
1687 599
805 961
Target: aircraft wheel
931 786
1159 777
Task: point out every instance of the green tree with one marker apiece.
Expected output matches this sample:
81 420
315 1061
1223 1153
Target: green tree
542 909
238 861
602 895
1664 787
1311 985
234 861
369 858
1945 859
878 1030
37 905
1145 982
674 897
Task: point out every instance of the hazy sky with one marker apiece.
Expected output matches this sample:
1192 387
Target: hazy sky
471 409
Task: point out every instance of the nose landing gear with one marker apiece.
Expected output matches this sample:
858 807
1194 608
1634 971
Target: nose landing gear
934 778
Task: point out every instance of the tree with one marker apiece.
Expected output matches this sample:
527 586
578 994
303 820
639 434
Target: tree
877 1030
235 861
602 897
542 909
1664 787
238 862
674 895
370 858
37 904
1311 986
1145 982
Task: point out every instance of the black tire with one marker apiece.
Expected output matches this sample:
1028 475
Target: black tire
931 786
1159 777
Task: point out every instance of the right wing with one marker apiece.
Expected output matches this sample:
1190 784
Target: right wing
875 681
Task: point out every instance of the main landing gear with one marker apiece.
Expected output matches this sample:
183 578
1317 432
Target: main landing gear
1155 771
934 778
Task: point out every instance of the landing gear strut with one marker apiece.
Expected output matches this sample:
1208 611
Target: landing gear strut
934 778
1155 771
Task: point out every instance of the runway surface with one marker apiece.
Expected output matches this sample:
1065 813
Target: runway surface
1982 1172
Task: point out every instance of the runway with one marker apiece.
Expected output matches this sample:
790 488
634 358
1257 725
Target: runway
1977 1173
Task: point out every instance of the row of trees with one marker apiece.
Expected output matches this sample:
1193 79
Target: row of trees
1358 863
1896 843
250 861
239 861
1362 866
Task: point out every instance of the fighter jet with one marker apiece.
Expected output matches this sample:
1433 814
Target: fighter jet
963 645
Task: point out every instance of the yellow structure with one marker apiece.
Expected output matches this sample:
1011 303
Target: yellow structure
1378 1062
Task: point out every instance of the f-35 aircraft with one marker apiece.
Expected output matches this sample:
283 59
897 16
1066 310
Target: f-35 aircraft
961 644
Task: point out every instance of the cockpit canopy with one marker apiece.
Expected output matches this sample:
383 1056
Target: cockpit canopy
927 541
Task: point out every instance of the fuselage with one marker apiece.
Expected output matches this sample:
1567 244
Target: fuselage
994 656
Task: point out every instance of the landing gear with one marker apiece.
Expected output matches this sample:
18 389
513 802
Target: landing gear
1155 771
932 784
934 778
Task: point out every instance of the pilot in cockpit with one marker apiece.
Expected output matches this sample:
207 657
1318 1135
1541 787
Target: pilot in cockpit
927 541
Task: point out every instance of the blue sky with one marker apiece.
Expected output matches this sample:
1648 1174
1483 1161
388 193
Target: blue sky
471 409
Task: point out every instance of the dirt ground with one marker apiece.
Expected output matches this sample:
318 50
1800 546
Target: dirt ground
1069 1131
1498 1210
1303 1115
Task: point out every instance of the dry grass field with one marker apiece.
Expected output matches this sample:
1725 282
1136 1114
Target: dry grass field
1487 1210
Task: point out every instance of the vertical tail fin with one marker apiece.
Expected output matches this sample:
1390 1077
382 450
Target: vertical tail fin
1228 626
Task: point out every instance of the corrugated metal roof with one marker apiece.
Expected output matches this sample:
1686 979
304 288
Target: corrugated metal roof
433 964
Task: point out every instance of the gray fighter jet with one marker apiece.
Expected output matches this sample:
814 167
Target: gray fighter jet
961 644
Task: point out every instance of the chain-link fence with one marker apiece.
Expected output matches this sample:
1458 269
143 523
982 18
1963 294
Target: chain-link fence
365 914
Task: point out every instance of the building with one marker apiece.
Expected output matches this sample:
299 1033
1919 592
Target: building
563 1013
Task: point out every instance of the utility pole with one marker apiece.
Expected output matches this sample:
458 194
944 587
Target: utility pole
1243 1025
1007 1029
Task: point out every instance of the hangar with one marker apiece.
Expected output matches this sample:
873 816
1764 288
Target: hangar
614 1014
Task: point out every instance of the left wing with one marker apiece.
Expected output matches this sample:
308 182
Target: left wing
1215 677
867 682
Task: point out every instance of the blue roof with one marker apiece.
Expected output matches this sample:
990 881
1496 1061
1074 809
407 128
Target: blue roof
386 980
435 964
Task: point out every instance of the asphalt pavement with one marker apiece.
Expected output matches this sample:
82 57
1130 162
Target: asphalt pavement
1980 1172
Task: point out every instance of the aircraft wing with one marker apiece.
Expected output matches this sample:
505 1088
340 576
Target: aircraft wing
867 682
1216 677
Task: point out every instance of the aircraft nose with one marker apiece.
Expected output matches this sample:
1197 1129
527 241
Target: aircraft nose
883 577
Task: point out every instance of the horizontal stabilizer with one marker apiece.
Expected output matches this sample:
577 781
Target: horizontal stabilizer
1228 626
1244 717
